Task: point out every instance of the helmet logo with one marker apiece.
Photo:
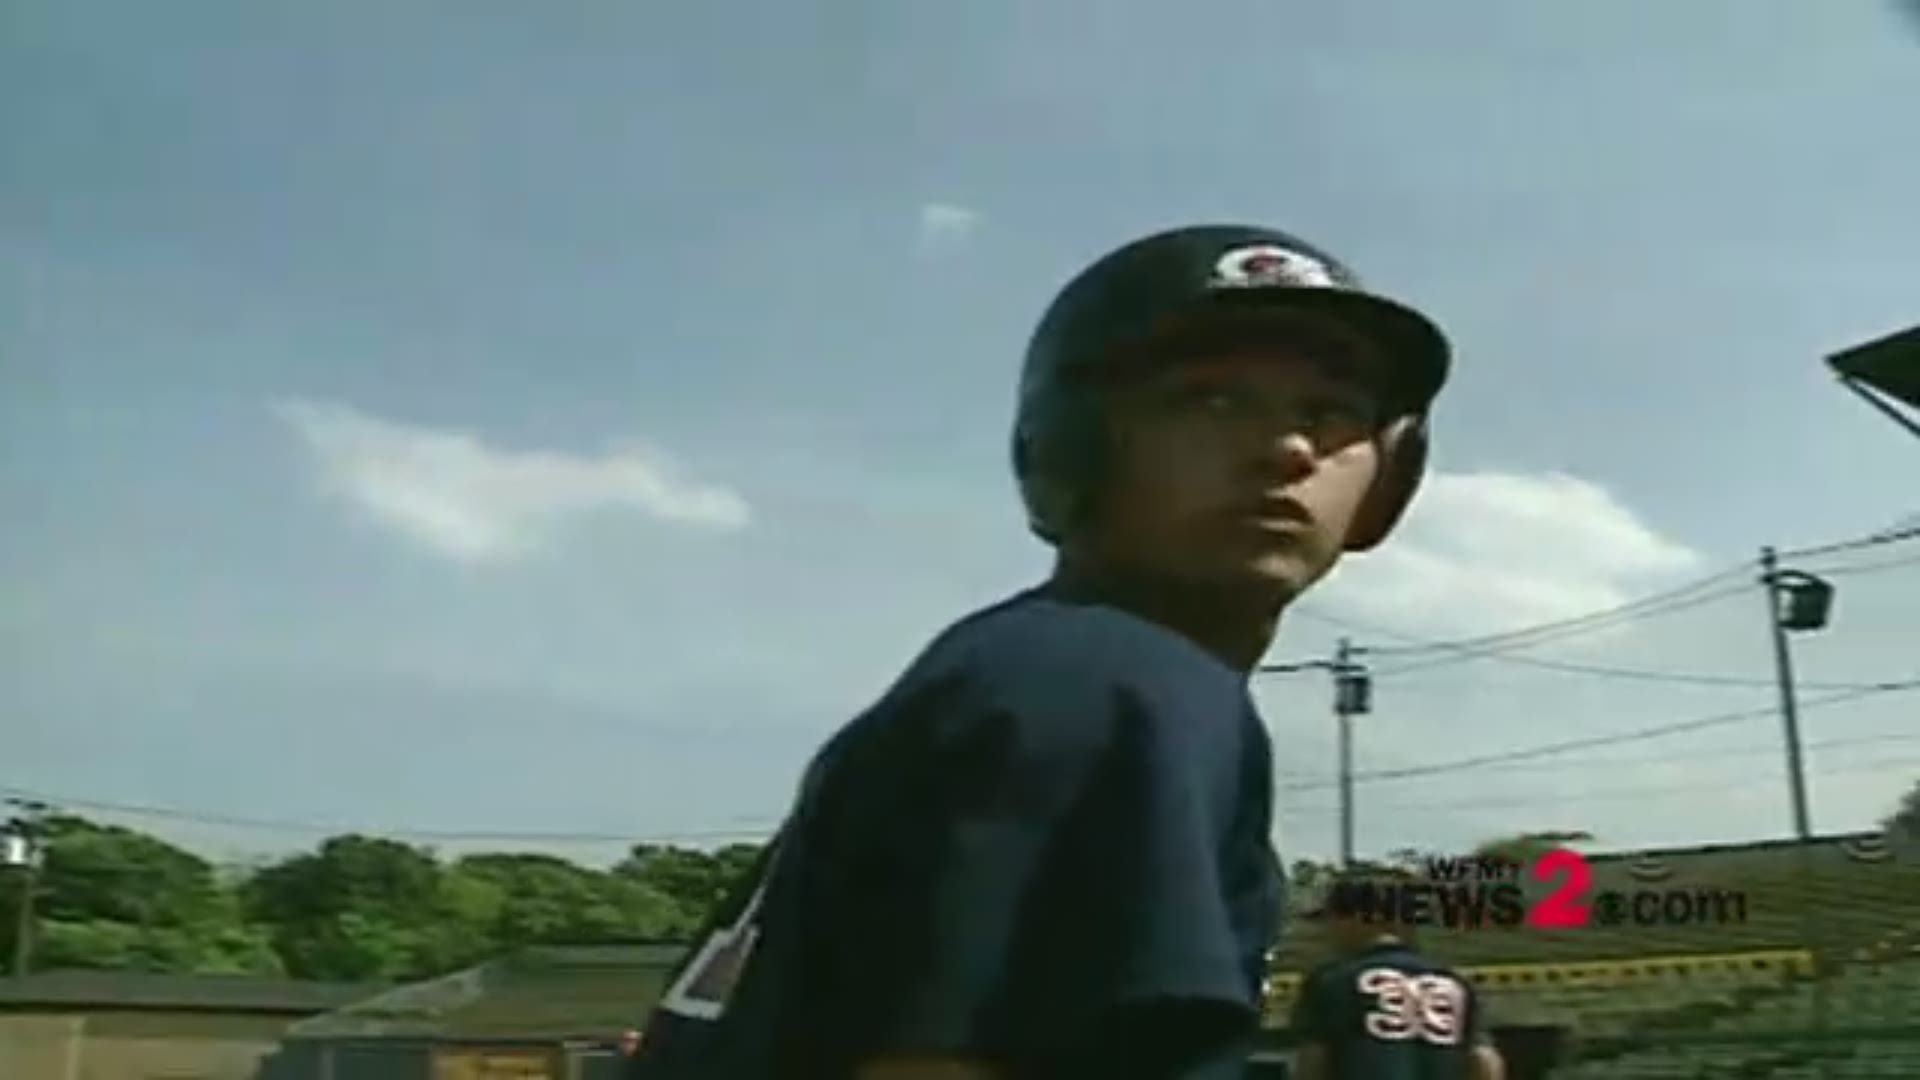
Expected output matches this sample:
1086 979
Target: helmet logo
1268 265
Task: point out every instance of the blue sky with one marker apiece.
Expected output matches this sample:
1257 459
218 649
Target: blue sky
489 418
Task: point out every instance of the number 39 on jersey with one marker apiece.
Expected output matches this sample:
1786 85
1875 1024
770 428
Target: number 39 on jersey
1426 1008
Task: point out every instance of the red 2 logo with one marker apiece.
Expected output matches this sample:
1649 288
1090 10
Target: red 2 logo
1430 1008
1560 909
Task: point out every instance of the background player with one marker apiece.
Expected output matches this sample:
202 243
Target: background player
1045 852
1382 1011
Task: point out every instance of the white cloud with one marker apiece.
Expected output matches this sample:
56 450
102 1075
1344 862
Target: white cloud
1485 552
946 225
449 491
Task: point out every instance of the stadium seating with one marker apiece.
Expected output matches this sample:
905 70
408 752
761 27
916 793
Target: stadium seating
1874 1008
1741 999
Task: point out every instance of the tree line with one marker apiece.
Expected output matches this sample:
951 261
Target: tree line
365 908
354 908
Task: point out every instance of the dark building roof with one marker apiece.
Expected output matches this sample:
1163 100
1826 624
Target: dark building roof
1890 365
540 992
78 989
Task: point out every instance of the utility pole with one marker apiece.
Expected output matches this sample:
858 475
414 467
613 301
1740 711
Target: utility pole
1352 696
1799 601
1795 601
24 850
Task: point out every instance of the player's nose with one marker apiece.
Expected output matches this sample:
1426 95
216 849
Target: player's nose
1286 453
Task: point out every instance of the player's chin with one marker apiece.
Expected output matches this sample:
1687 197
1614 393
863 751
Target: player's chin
1269 567
1275 576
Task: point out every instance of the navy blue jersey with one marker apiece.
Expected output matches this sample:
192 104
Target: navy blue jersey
1045 849
1390 1014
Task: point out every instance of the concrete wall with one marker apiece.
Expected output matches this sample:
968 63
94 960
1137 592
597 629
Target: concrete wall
135 1046
40 1047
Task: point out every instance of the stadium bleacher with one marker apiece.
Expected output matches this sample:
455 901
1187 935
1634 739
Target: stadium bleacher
1823 973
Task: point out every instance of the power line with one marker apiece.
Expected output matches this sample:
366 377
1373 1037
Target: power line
1500 646
1679 598
1895 535
1691 678
504 836
1716 753
1676 599
1635 674
1639 735
1605 794
1742 750
1426 645
1871 568
339 829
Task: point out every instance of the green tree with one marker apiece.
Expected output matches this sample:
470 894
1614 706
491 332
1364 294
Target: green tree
111 897
359 908
696 881
528 899
116 874
355 908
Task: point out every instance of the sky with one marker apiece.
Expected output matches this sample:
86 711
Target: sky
539 427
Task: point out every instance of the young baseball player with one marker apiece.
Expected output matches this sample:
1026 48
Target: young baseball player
1044 851
1381 1010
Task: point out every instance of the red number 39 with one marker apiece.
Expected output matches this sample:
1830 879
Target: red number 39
1429 1008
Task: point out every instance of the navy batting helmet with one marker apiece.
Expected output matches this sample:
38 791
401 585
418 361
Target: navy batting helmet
1137 291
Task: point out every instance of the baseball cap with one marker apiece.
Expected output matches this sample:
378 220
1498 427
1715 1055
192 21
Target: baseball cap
1138 289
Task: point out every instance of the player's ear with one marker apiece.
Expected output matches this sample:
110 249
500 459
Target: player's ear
1403 463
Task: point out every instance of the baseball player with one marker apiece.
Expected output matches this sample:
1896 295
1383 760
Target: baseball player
1381 1010
1044 851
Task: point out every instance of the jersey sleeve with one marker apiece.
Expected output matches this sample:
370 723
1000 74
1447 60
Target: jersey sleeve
1053 868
